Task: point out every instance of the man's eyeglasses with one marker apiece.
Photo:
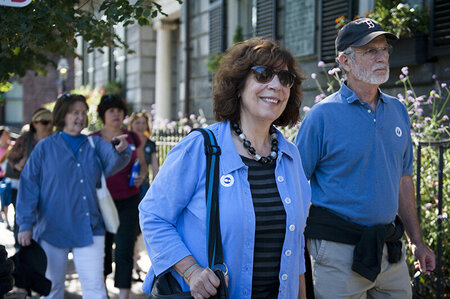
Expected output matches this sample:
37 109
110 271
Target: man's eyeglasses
372 53
265 74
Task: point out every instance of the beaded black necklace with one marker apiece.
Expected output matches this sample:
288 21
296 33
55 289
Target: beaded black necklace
274 150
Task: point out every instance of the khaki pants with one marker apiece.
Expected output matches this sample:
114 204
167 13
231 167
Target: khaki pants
334 278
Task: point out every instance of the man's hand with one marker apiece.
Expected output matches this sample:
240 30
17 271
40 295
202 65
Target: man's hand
24 237
426 260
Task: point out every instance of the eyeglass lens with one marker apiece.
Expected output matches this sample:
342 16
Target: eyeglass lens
265 74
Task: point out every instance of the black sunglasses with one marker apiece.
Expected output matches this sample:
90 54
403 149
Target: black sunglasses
44 122
65 96
265 74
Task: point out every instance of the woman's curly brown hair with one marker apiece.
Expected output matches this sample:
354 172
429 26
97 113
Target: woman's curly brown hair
230 78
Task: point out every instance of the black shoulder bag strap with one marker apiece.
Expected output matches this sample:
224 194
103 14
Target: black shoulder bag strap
213 235
214 238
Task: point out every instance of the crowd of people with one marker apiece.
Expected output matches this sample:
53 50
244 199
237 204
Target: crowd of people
324 215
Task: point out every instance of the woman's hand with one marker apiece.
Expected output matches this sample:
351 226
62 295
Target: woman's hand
138 181
203 282
123 144
24 238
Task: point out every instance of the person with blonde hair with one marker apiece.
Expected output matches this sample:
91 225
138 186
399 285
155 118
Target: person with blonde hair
140 123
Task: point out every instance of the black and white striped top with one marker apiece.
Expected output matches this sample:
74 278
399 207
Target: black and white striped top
270 228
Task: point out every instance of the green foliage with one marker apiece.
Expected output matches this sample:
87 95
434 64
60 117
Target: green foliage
32 37
238 36
397 17
429 122
215 59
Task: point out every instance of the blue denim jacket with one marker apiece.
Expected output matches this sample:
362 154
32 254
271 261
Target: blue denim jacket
57 197
173 213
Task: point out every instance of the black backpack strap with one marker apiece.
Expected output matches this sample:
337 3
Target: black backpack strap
214 238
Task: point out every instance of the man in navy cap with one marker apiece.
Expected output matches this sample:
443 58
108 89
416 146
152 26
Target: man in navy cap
356 150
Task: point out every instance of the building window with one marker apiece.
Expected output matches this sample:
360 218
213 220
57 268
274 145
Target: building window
330 10
14 104
440 27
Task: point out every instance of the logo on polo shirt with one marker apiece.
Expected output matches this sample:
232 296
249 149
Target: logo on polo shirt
227 180
398 131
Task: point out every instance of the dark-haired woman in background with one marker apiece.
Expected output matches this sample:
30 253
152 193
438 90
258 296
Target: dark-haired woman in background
112 110
263 193
57 204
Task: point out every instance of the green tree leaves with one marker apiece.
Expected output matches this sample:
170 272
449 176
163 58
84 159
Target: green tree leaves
31 36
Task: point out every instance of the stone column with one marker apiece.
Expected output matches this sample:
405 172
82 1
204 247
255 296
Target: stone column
163 99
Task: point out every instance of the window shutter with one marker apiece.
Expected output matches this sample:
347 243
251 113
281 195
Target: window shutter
440 28
330 11
217 33
266 12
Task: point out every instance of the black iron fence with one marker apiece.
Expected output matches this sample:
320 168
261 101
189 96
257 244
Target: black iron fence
441 286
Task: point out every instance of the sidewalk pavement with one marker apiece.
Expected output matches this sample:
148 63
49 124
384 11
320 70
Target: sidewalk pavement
73 286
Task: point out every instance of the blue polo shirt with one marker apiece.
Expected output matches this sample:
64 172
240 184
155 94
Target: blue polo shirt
355 157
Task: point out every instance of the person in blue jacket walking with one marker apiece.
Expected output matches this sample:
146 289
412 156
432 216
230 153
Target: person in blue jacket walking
57 204
263 193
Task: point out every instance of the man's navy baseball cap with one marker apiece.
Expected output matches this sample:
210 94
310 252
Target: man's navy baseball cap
360 32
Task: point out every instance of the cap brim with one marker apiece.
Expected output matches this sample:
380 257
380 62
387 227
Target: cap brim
369 37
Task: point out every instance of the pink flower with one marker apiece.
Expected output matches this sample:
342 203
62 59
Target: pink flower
444 85
321 64
401 76
434 77
427 119
314 76
334 70
445 117
319 98
306 109
405 70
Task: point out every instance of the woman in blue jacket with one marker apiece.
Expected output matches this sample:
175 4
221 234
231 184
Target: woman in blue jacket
263 193
57 203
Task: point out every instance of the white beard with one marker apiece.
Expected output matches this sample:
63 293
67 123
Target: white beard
368 76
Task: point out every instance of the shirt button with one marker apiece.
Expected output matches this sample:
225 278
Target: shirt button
288 253
87 214
81 181
368 110
284 277
291 227
78 164
287 200
280 179
81 150
374 120
84 197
